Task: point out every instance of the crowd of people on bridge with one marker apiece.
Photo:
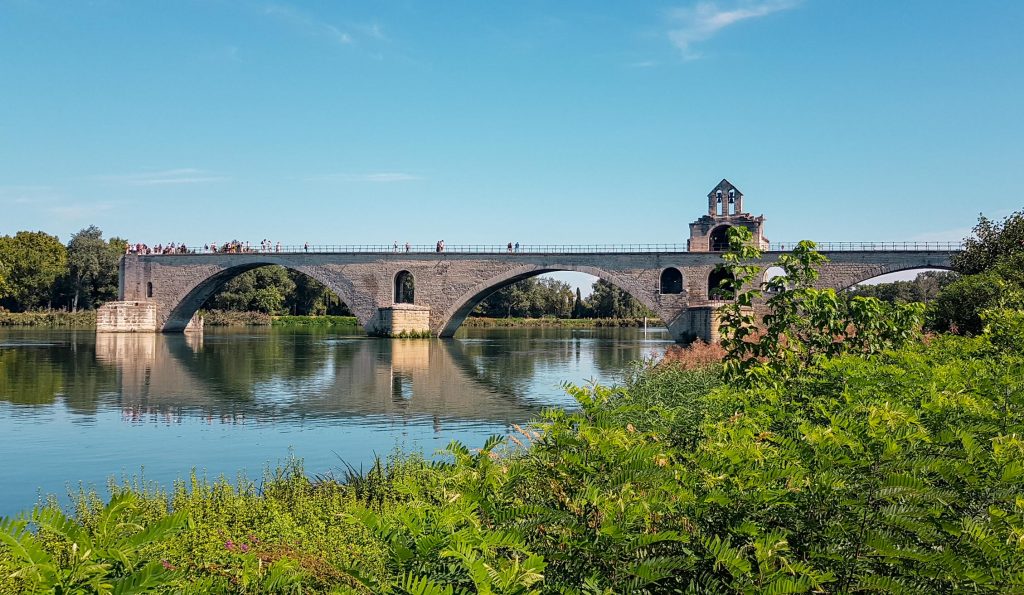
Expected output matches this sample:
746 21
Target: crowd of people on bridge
265 246
145 249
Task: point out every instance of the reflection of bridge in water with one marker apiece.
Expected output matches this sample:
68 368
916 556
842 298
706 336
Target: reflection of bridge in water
226 377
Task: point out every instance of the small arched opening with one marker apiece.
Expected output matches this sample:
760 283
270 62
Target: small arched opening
718 289
772 273
718 241
405 288
149 289
671 281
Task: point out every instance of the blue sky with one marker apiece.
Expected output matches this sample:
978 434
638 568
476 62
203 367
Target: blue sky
476 122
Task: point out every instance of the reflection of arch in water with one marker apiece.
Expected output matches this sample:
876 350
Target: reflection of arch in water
186 308
349 377
469 300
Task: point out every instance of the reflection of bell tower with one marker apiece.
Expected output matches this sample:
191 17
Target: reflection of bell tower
725 209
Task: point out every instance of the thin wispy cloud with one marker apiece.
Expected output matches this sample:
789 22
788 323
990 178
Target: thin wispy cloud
186 175
703 20
28 195
79 211
380 177
307 23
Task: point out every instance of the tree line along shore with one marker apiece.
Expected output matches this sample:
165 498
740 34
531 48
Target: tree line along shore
840 447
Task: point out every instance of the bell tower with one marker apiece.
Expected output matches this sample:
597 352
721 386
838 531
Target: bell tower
725 210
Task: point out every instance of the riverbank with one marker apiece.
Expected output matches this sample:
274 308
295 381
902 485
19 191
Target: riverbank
546 322
50 319
239 319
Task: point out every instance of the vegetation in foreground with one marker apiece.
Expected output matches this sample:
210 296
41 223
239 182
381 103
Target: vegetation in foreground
835 451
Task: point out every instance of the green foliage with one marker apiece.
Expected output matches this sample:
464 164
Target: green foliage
804 325
544 297
608 301
533 297
992 244
112 555
315 321
259 290
959 306
92 268
992 269
49 319
30 264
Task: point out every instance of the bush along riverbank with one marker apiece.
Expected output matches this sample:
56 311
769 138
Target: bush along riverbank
226 318
833 451
550 322
50 319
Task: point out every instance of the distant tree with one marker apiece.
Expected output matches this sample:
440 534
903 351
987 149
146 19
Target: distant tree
608 301
310 297
30 263
529 298
924 288
260 290
92 268
578 310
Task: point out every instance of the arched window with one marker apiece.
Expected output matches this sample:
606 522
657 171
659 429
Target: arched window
717 289
671 281
405 288
149 289
718 241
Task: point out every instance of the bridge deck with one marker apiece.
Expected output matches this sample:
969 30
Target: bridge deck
555 249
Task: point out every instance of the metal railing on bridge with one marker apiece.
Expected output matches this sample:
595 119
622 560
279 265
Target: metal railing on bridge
536 248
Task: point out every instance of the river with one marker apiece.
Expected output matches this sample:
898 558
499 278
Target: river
78 408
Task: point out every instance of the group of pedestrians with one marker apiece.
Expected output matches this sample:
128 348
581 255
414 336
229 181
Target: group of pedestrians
440 246
408 247
145 249
512 248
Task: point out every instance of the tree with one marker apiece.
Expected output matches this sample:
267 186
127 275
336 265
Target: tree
993 243
310 297
261 290
93 267
924 288
578 310
992 265
30 263
608 301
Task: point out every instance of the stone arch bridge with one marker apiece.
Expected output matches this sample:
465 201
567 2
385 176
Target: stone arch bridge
164 292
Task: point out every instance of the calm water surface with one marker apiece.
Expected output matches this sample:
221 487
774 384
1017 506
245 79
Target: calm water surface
76 407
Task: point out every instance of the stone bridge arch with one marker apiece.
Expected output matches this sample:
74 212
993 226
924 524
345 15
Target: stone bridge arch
841 275
461 306
180 291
